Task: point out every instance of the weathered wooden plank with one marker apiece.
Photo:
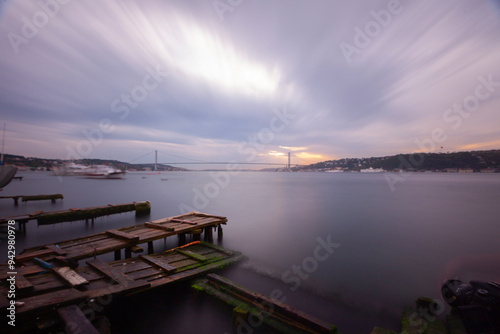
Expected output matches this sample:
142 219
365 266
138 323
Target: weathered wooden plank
109 271
157 262
180 221
123 235
70 276
191 254
31 255
127 287
56 249
159 227
75 320
61 297
22 283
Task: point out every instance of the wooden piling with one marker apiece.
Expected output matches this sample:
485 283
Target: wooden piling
208 235
196 235
219 232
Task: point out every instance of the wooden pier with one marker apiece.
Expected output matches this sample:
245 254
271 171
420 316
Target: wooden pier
29 198
47 295
252 309
127 238
54 217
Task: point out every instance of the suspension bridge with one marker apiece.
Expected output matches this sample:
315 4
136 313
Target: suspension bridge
200 162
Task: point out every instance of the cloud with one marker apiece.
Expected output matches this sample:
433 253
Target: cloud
89 62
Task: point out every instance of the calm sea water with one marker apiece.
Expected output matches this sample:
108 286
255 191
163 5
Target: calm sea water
390 246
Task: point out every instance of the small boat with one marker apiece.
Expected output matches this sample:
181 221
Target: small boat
104 172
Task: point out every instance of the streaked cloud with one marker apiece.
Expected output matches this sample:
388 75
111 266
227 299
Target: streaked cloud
91 62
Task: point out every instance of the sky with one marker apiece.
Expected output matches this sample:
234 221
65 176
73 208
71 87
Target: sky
248 80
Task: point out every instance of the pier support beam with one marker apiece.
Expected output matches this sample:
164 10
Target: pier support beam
118 255
151 248
219 232
208 234
128 252
196 235
182 239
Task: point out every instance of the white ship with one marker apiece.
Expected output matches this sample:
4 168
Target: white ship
372 170
103 172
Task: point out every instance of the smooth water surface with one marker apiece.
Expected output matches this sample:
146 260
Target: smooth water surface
391 245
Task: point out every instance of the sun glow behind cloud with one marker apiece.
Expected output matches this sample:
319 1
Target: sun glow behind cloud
198 54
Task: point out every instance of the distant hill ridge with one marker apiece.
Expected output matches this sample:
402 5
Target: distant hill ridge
40 163
468 161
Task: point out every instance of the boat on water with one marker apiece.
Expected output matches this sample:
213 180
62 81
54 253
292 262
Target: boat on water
71 169
103 172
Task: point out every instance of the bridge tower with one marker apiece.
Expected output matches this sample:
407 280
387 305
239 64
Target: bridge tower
288 161
156 159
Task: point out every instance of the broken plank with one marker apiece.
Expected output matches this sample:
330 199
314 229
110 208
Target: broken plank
75 320
157 262
109 271
191 254
123 235
70 276
22 283
159 227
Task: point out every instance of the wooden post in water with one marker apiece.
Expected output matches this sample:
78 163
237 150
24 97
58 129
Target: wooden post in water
150 247
208 234
182 239
196 235
118 255
128 252
219 232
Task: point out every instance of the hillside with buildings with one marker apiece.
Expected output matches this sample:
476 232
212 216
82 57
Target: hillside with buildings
474 161
31 163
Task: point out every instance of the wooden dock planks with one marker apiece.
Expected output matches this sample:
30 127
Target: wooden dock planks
117 239
106 279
